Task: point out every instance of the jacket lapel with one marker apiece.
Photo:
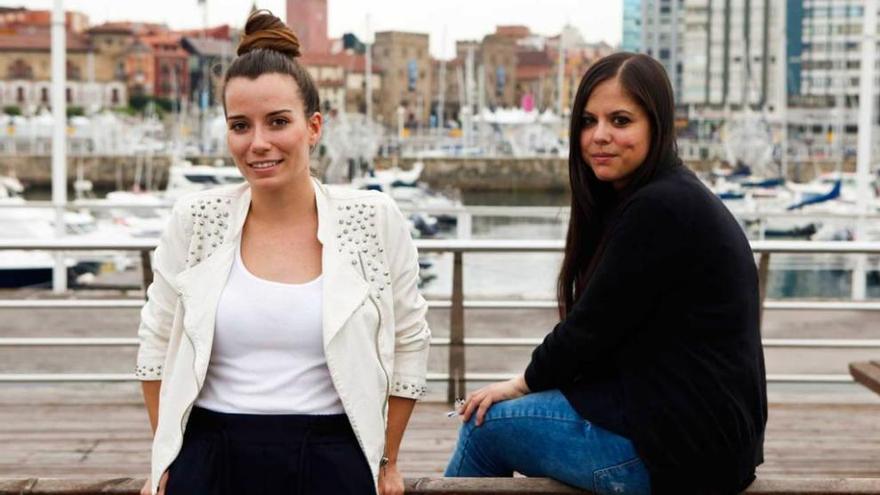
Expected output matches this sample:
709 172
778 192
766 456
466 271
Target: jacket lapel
201 285
200 288
345 288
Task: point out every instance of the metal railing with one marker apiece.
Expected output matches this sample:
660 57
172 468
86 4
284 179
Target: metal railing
456 377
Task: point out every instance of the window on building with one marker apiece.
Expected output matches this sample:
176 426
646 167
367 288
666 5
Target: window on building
73 72
44 95
19 94
20 70
114 96
68 95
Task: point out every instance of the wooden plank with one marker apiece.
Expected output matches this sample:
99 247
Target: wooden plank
43 486
867 373
449 486
493 486
860 486
814 439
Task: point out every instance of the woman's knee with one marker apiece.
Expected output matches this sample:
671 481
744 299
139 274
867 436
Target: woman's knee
546 404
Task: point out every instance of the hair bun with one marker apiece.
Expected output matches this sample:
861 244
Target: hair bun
264 30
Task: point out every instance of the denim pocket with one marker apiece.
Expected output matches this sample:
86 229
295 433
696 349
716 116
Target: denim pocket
630 477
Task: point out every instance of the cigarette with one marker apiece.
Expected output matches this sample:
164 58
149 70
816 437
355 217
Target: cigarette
459 403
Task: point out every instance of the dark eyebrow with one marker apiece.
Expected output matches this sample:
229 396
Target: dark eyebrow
615 112
270 114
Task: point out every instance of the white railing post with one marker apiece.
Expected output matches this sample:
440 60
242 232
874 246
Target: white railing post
464 227
59 150
866 126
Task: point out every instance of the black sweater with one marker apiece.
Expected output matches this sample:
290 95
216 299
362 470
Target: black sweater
663 346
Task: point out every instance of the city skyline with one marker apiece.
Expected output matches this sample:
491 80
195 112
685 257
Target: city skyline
601 22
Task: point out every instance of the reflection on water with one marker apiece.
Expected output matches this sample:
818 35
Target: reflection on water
533 275
818 284
516 198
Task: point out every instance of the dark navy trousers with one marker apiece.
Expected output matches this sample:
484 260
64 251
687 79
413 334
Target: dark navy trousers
252 454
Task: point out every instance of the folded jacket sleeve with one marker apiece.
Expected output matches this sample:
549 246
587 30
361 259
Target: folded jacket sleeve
412 336
157 315
639 254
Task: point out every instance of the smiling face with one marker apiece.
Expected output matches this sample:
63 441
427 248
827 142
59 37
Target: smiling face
615 134
268 133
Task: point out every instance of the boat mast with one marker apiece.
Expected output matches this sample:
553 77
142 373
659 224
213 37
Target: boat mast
783 91
204 90
441 87
368 71
560 72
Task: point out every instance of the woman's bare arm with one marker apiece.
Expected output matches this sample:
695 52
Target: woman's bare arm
151 400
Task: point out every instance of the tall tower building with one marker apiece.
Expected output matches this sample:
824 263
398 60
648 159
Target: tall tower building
733 50
656 28
631 40
406 76
308 18
825 71
831 49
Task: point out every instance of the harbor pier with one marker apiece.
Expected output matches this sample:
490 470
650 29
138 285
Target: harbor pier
108 172
96 426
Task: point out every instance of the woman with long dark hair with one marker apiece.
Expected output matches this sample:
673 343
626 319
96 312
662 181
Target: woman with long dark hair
653 381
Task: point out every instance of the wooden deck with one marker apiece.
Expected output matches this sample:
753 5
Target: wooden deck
101 431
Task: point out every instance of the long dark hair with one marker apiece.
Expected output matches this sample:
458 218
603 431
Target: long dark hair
593 201
270 47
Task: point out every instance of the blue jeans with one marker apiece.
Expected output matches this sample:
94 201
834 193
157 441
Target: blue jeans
541 435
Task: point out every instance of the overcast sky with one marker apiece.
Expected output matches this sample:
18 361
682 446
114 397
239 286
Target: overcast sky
458 19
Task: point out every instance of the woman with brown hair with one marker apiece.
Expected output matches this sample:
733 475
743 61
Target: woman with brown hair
654 378
284 340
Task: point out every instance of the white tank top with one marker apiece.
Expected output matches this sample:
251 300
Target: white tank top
268 351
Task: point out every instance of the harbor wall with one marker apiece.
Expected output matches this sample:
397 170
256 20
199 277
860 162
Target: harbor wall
105 172
467 174
537 174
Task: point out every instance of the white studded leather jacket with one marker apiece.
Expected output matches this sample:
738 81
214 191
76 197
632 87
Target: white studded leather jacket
376 337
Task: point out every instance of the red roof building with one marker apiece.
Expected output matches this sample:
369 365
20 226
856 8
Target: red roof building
171 65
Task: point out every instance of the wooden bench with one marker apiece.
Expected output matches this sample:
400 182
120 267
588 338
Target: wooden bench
452 486
867 373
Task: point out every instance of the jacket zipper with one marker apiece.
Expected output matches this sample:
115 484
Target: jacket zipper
378 332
